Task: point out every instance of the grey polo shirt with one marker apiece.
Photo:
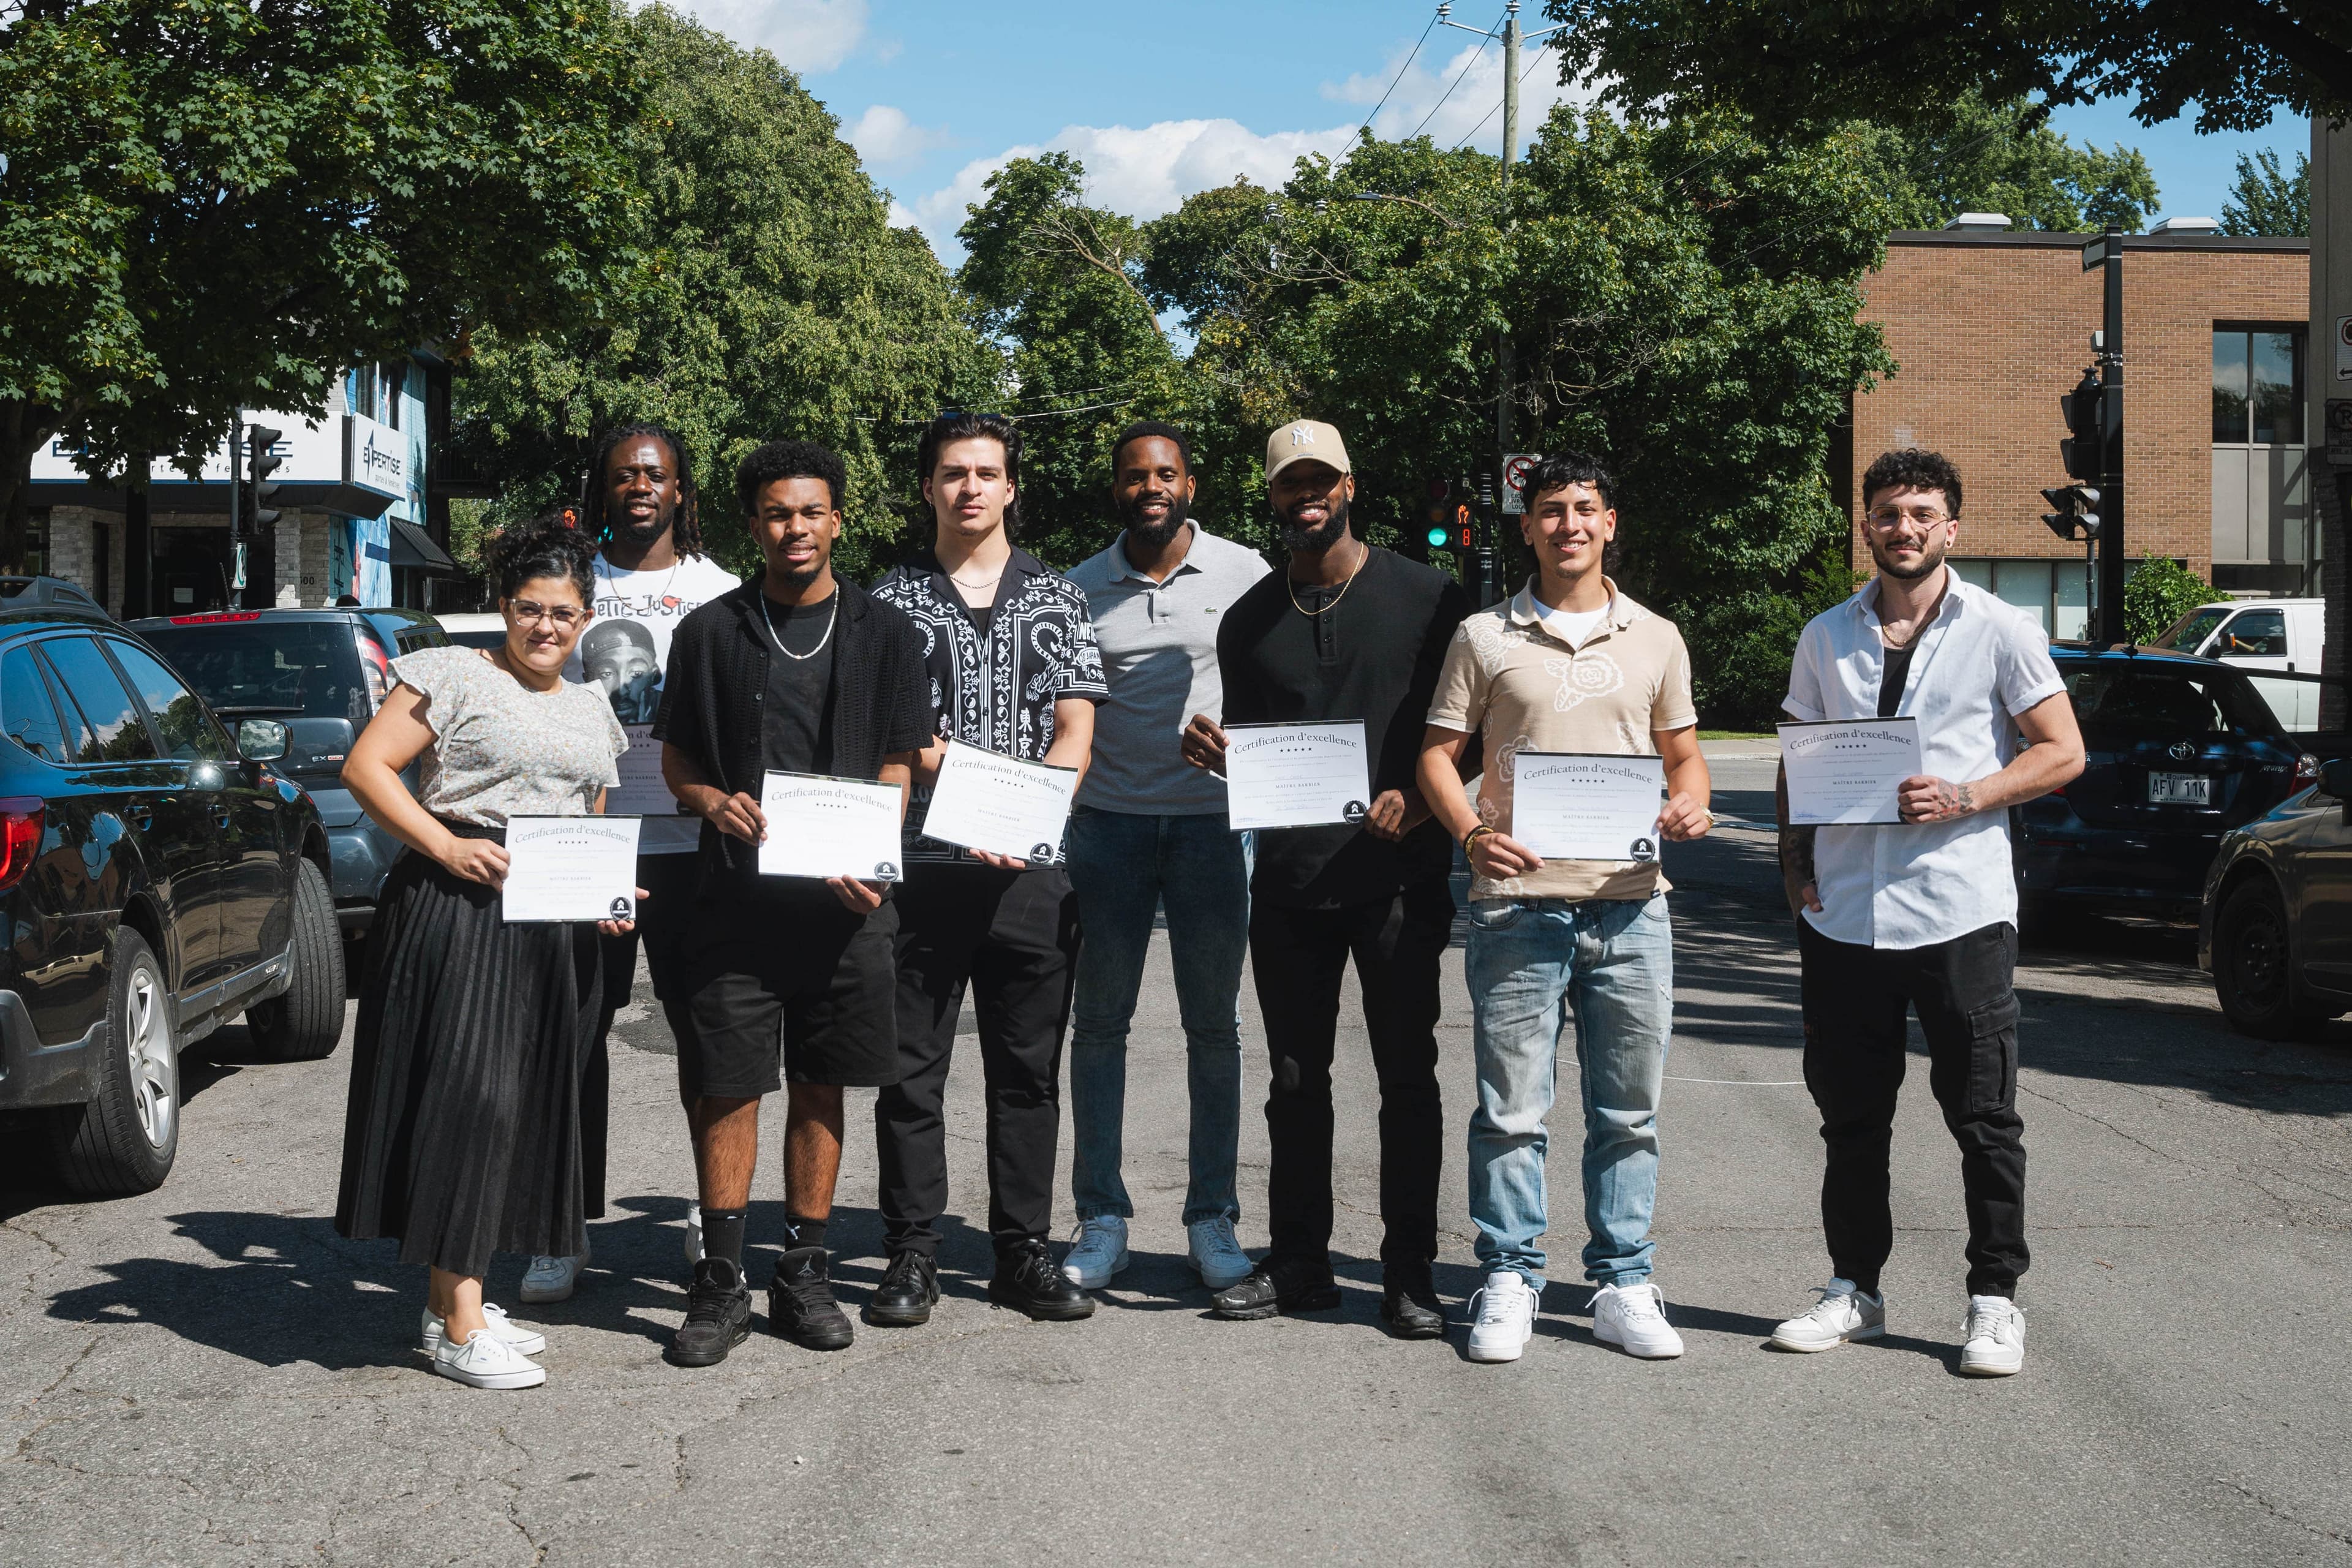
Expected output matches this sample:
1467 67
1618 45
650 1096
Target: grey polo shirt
1160 656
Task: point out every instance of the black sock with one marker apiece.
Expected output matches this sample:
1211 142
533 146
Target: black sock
723 1236
804 1232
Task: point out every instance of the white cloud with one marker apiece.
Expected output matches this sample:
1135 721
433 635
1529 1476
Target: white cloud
806 35
883 135
901 218
1423 104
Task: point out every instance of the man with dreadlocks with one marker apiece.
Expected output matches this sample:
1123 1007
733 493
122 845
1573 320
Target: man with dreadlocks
637 503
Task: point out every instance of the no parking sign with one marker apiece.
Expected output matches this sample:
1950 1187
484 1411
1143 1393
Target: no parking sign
1517 466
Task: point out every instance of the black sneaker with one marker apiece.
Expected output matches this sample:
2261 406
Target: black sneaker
1409 1303
1278 1284
718 1315
801 1305
909 1289
1027 1281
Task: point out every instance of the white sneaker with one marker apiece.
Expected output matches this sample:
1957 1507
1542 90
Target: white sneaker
1993 1343
552 1278
485 1360
1502 1317
1097 1252
1843 1313
693 1234
1217 1253
529 1342
1633 1319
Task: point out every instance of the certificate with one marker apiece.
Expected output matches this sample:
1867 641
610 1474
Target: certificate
1846 772
821 827
1001 805
641 789
1297 775
1567 806
570 869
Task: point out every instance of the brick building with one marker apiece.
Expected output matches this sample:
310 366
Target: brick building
1990 328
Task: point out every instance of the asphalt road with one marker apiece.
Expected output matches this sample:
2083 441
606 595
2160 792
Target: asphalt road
209 1374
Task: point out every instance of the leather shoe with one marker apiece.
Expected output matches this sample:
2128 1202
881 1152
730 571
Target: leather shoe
801 1305
1409 1303
1027 1281
1278 1284
909 1289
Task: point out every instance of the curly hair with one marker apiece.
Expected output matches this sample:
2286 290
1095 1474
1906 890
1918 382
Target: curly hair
686 531
1561 469
546 546
764 464
1913 469
957 426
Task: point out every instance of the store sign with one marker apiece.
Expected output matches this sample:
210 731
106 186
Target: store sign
310 444
375 457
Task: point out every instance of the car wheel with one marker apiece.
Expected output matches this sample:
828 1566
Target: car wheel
304 1023
125 1139
2252 973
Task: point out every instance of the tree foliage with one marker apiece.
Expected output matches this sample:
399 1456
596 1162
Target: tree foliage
2161 591
1899 61
773 298
2265 199
1969 155
219 202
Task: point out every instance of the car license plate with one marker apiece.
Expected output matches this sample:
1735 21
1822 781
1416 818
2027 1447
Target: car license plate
2179 789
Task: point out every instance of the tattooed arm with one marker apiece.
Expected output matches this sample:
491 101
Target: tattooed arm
1796 855
2052 756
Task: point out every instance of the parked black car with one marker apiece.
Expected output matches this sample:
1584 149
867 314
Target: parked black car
157 877
322 673
2275 930
2180 751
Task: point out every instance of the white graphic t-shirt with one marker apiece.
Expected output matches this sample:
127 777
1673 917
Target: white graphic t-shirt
626 650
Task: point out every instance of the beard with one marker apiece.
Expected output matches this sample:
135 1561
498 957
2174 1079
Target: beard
801 577
1156 535
643 535
1929 559
1307 541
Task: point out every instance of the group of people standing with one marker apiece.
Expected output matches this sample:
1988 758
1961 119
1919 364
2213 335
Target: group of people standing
479 1105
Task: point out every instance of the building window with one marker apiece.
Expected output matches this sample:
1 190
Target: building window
2056 593
37 541
2264 536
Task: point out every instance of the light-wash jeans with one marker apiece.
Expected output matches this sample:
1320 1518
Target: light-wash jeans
1125 866
1611 965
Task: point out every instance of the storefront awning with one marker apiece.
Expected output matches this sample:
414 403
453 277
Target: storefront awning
412 549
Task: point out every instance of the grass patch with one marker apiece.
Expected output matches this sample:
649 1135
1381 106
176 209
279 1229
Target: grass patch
1739 734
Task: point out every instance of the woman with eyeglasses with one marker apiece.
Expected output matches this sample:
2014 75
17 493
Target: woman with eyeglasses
462 1135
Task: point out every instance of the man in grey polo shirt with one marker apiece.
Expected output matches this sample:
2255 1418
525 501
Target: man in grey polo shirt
1150 830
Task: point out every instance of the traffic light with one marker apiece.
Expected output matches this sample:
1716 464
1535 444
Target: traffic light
259 464
1450 527
2083 451
2075 513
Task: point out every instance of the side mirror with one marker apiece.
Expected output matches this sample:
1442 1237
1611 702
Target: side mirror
2336 779
261 740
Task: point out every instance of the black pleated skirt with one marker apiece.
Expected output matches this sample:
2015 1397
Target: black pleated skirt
462 1134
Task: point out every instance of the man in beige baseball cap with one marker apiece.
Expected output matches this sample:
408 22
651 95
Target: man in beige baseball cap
1346 632
1302 439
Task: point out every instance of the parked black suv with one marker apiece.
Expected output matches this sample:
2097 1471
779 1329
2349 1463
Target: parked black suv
157 879
322 673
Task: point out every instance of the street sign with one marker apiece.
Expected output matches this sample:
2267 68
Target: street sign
238 581
1517 466
2339 432
2094 253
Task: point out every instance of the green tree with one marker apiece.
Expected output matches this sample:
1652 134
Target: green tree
2161 591
773 298
1975 156
1899 60
2265 199
217 204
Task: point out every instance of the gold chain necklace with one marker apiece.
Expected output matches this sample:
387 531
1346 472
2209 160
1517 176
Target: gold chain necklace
1290 587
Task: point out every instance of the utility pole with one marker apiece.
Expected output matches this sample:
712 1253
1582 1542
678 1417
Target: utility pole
1510 38
2107 253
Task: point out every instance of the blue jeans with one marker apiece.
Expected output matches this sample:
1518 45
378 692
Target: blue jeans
1125 866
1531 962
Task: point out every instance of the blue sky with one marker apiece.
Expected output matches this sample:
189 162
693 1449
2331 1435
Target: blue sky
1161 100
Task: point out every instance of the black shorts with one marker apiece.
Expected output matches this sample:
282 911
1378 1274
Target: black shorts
806 987
666 926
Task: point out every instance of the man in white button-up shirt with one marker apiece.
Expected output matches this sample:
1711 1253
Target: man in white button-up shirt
1921 914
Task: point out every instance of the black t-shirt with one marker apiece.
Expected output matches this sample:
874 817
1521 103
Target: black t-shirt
1372 654
793 720
1891 682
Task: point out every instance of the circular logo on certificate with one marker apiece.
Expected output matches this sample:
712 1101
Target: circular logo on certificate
1645 849
1041 852
621 908
885 870
1354 811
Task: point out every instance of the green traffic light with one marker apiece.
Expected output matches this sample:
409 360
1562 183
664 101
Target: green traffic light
1438 536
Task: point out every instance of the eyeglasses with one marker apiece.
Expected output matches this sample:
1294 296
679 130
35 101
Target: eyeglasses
565 616
1887 518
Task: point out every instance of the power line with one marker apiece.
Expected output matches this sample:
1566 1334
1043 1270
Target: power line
1498 103
1384 103
1477 55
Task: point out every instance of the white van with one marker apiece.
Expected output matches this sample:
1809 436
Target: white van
2262 634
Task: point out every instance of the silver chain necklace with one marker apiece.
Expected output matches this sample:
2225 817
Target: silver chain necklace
811 653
